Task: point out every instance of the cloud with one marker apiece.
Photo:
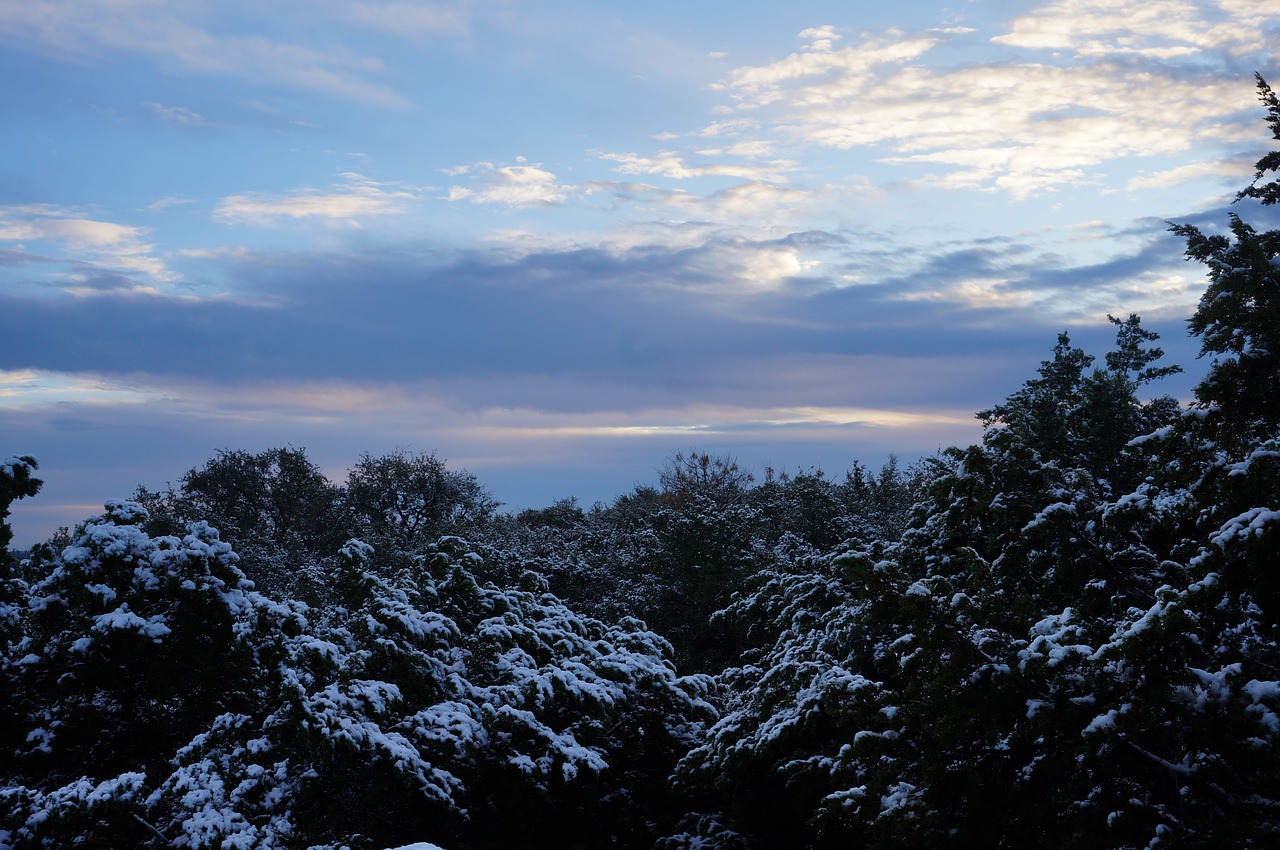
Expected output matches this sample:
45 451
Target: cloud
96 245
1023 123
348 203
526 454
162 204
1219 171
511 185
673 165
746 201
1159 29
645 315
409 19
187 35
177 114
583 364
30 388
842 72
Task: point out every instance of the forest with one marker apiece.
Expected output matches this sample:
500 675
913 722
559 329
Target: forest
1064 636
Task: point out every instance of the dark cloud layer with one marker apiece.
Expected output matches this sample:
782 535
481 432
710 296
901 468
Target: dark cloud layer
640 315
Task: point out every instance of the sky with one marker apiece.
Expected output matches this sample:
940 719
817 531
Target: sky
555 241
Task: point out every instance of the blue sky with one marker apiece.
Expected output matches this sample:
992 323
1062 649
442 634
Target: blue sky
556 241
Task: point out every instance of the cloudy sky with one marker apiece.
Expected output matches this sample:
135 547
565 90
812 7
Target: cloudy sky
555 240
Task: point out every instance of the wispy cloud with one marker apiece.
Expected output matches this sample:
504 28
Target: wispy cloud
408 19
349 203
1227 171
95 244
1160 29
1020 126
177 114
189 36
672 164
32 388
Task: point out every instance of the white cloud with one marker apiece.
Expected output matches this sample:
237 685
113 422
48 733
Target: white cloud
177 114
746 202
1155 29
31 388
1019 127
851 67
748 149
348 203
94 243
512 186
1223 169
672 164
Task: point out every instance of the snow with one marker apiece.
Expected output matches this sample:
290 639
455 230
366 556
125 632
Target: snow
1250 523
1158 434
899 797
1047 513
918 588
1104 722
123 619
9 467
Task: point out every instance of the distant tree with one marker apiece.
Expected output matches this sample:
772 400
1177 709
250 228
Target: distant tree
278 508
717 478
407 501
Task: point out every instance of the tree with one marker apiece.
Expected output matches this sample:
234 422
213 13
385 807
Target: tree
717 478
277 506
1225 452
17 481
1075 642
1238 318
130 646
406 501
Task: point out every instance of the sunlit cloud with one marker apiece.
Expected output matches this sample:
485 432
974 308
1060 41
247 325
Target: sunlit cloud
758 200
1227 171
25 389
337 402
510 185
1160 29
347 203
673 165
1021 127
71 237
